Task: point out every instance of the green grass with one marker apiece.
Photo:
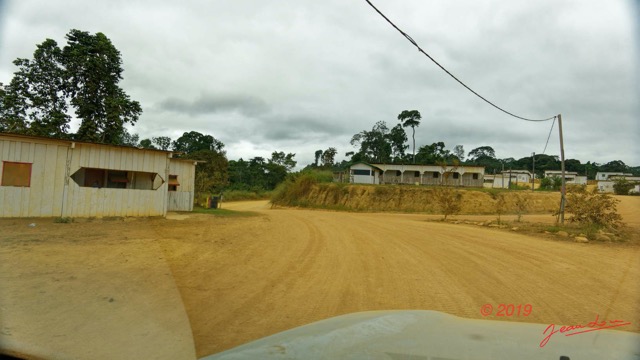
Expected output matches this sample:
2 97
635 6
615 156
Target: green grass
224 212
239 195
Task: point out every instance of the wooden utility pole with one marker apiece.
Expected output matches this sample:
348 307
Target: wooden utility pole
533 174
563 189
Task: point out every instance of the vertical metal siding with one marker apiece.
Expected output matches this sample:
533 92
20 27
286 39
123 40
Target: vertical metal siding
39 199
54 193
85 201
182 199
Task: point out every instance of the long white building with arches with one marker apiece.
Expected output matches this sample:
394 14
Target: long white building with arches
450 175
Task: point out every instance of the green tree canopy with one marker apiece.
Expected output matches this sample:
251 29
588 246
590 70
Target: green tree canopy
212 175
458 151
94 67
146 144
398 139
614 166
162 142
193 141
432 154
85 73
329 157
260 174
374 145
411 118
481 152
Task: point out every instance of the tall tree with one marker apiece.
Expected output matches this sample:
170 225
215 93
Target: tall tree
213 174
411 118
36 95
458 151
85 74
614 166
284 160
127 138
318 155
433 154
480 152
94 67
329 157
398 139
12 110
194 141
374 145
146 144
162 142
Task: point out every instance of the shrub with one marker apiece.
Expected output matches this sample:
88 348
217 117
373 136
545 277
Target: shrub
501 205
237 195
551 183
293 190
591 207
622 186
519 187
522 205
449 200
320 176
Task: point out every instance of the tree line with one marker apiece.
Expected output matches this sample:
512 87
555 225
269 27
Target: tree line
388 145
83 77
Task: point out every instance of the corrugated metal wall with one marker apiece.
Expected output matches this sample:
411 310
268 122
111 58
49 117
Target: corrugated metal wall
53 193
44 196
86 201
182 198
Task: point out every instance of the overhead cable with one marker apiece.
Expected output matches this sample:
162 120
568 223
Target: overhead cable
549 137
450 74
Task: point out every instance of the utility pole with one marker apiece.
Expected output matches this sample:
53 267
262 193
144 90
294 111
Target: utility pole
502 173
533 174
563 190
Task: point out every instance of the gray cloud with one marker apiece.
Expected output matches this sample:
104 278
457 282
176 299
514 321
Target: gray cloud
212 104
305 75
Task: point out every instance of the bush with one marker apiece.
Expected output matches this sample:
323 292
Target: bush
501 206
622 186
320 176
293 190
591 207
551 183
522 205
449 200
237 195
519 187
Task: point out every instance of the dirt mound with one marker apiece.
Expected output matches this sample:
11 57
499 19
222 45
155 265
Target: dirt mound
420 199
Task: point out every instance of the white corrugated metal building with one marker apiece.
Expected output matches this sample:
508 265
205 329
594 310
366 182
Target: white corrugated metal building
42 177
364 173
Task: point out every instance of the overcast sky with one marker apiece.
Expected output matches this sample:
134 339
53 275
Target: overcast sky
297 76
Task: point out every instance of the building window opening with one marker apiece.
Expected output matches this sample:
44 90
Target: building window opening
117 179
173 183
16 174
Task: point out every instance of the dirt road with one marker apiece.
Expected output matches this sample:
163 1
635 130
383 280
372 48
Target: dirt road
242 278
285 268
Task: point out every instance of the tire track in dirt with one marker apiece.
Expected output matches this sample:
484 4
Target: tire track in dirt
291 267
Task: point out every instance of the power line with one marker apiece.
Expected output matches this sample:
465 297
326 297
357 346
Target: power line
549 137
447 71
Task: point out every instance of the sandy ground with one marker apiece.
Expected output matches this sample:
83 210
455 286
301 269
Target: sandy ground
242 278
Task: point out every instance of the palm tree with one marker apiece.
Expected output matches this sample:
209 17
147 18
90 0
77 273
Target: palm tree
411 118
